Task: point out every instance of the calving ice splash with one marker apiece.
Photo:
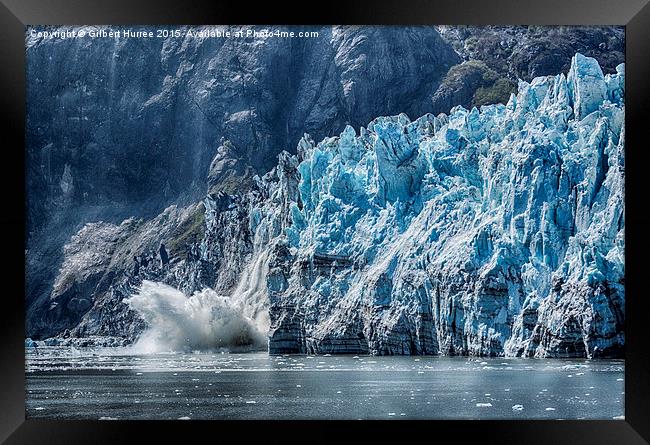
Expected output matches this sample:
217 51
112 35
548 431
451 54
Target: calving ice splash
206 320
497 231
202 321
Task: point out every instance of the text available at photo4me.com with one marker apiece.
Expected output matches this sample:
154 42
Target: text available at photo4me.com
164 33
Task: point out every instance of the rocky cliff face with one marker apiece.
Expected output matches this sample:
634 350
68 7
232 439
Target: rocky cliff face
126 127
164 104
97 273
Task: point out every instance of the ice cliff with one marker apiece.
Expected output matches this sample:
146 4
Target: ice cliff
497 231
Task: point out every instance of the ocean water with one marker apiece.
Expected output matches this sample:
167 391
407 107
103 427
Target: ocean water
114 383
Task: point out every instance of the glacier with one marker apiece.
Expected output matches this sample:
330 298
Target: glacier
491 231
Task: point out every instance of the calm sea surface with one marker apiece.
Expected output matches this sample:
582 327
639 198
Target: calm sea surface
110 383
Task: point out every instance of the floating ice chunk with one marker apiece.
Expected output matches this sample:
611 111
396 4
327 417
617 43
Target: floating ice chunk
484 405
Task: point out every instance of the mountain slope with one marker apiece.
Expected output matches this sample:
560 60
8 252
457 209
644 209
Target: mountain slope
120 128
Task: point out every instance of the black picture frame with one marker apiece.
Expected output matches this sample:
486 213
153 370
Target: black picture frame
16 14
